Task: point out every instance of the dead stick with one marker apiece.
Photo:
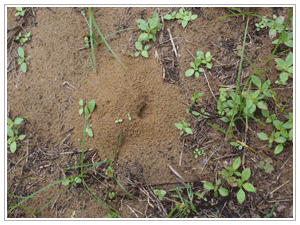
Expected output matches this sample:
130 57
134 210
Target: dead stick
279 187
174 49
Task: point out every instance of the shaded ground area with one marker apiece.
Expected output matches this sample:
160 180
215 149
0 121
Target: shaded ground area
156 93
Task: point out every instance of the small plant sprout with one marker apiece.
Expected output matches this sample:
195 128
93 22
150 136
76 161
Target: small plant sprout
143 50
242 185
283 134
286 39
23 39
22 59
111 195
129 117
201 196
222 191
266 165
198 153
89 108
286 68
86 41
237 145
13 133
201 58
228 175
151 28
20 12
71 180
262 24
183 15
160 193
193 100
119 121
73 214
184 127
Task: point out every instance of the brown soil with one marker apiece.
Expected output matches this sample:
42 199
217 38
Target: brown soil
155 92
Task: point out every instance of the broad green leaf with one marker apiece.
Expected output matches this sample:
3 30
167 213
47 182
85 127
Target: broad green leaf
146 48
284 77
265 113
197 74
145 54
90 132
184 23
241 196
262 105
189 72
280 139
178 125
291 134
263 136
223 191
91 105
21 137
143 24
143 37
277 124
193 17
24 67
208 186
256 81
19 8
278 149
246 174
13 147
9 121
249 187
208 57
200 54
236 163
136 54
77 180
225 119
281 64
21 52
138 46
81 102
187 18
289 43
188 131
65 182
80 111
197 61
18 121
10 132
167 17
209 65
288 125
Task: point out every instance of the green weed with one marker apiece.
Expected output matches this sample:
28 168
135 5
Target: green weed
184 127
286 69
151 28
198 153
13 133
21 12
266 165
183 16
222 191
22 59
143 50
201 58
23 39
160 193
193 100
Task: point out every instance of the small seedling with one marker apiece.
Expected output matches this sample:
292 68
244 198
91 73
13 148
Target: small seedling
283 134
151 27
237 145
144 51
20 12
89 108
201 196
228 175
129 117
24 38
286 39
286 68
184 127
22 60
160 193
198 153
73 214
183 15
87 42
193 100
262 24
201 58
242 185
201 115
12 132
222 191
71 180
119 121
266 165
111 195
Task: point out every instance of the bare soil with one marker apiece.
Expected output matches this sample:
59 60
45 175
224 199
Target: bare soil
155 92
